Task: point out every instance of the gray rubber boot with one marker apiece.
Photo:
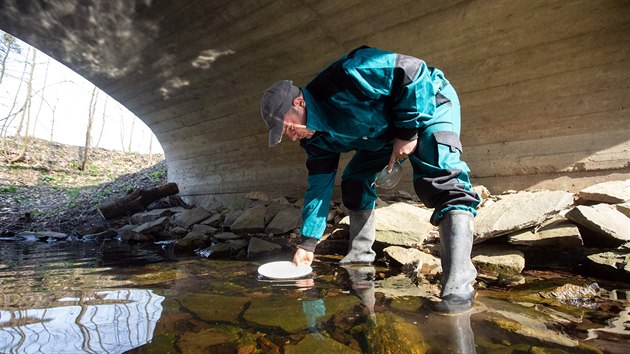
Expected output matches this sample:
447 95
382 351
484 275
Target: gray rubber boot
362 236
456 240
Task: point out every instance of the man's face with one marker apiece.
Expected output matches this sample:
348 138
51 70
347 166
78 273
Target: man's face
295 124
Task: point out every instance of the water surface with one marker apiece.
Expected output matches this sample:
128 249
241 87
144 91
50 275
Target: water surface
73 297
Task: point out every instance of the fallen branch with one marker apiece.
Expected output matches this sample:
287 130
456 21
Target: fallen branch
136 201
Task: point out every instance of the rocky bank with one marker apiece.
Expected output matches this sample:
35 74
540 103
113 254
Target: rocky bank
586 233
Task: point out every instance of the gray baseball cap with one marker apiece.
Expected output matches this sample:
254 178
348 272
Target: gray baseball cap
275 102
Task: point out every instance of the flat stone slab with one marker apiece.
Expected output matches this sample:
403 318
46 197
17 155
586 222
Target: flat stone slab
251 221
624 208
612 192
405 256
519 211
401 224
154 214
604 220
152 226
616 262
557 233
498 259
258 247
187 218
286 220
224 236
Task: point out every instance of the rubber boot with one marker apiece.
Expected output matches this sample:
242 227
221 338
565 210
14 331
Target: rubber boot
456 240
362 236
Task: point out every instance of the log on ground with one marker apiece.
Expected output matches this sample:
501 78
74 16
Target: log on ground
136 201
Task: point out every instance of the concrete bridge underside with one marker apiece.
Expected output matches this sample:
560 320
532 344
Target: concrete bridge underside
544 85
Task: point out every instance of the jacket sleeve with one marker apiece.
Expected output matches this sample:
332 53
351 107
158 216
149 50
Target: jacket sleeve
403 82
322 169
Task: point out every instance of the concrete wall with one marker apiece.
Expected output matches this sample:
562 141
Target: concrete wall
544 85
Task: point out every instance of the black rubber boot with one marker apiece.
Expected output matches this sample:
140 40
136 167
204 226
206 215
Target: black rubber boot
456 240
362 236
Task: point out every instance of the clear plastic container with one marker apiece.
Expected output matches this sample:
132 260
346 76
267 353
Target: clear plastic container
389 180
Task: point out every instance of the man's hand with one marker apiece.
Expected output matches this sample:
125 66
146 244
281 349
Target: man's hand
303 256
402 149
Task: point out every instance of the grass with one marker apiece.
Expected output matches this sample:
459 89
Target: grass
8 189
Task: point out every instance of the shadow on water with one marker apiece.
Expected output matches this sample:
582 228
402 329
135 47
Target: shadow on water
108 298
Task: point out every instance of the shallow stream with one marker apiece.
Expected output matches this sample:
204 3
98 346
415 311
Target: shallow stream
72 297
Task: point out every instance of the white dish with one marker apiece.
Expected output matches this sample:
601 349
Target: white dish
284 270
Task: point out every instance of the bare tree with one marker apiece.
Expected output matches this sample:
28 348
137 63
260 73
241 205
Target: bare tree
8 45
150 147
122 130
133 122
88 132
8 119
40 93
98 142
26 115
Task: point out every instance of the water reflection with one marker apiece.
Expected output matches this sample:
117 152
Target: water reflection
110 321
51 303
362 280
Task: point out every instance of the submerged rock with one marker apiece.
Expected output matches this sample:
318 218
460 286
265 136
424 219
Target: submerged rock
318 344
293 316
572 294
393 334
215 308
202 341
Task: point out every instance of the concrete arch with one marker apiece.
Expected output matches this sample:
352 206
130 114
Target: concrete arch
543 84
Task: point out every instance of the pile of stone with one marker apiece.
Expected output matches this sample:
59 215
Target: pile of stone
587 231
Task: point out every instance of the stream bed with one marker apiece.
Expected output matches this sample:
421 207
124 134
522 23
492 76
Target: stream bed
75 297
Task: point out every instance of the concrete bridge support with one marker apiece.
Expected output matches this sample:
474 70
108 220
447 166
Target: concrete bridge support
544 84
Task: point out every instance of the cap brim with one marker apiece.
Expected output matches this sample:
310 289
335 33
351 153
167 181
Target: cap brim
275 135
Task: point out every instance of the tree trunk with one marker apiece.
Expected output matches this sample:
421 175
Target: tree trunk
25 114
88 132
98 142
136 201
133 122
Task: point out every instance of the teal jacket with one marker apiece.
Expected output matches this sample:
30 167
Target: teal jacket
362 101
